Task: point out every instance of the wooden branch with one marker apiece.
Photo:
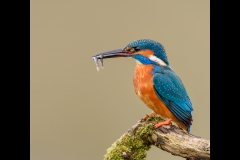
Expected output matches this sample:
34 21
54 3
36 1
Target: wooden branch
134 144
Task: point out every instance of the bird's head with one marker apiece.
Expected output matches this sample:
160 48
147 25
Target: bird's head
145 51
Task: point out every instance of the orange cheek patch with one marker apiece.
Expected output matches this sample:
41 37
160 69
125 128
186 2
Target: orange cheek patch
146 53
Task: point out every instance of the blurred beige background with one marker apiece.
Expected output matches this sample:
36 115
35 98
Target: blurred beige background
71 101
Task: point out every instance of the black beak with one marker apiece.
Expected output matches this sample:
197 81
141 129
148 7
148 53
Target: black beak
110 54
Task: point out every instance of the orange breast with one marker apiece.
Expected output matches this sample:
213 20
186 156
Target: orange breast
143 87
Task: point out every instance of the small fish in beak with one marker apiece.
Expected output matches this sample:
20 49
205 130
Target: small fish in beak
110 54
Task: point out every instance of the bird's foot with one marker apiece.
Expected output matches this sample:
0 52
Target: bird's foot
167 122
148 115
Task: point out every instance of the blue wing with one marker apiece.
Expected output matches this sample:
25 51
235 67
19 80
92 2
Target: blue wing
170 89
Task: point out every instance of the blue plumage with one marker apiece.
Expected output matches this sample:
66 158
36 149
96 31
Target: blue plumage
171 91
143 59
168 86
155 46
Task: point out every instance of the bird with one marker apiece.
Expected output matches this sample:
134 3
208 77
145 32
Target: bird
155 82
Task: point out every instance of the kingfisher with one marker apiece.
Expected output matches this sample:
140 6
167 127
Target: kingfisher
155 82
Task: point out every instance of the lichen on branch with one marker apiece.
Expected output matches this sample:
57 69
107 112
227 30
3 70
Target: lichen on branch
131 147
134 144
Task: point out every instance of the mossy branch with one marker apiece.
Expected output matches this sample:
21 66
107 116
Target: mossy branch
134 144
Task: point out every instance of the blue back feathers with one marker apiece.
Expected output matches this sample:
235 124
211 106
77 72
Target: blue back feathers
170 89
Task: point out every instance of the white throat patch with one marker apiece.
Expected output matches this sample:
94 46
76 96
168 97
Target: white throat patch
157 60
138 62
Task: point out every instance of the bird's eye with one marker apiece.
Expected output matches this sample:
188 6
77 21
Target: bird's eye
136 49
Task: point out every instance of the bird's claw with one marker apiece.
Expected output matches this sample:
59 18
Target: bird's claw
147 116
167 122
